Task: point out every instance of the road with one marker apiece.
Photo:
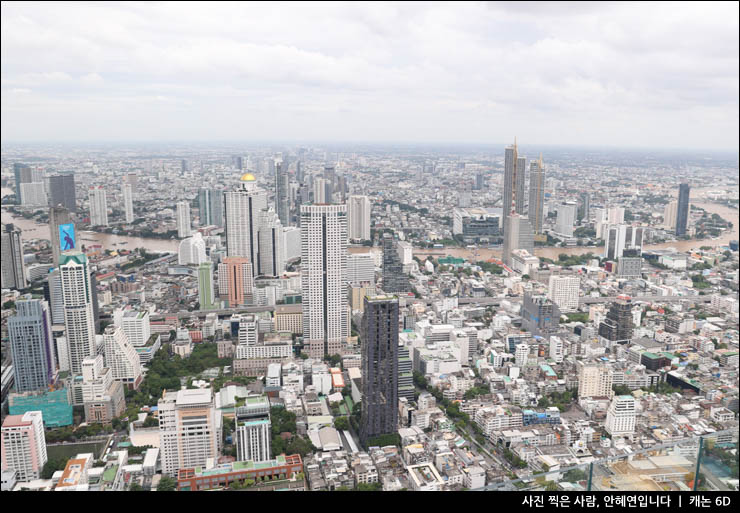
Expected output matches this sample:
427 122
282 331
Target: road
586 300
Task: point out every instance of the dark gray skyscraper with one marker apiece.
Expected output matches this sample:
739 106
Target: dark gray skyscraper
682 216
62 192
521 175
32 345
379 367
394 279
583 211
282 193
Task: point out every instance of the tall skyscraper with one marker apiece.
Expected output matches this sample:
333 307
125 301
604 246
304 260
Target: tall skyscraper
242 220
521 175
540 315
321 191
682 215
271 244
62 191
536 194
282 193
23 174
324 278
379 367
585 209
58 216
134 324
11 247
618 325
517 235
253 430
98 206
183 219
211 205
566 219
121 357
358 213
394 279
235 278
32 345
206 296
620 238
508 204
189 429
54 297
670 213
79 318
517 230
563 291
34 194
128 202
24 445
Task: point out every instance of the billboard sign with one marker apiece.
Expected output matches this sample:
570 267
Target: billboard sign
67 239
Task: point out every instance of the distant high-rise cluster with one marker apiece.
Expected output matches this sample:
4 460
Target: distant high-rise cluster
517 229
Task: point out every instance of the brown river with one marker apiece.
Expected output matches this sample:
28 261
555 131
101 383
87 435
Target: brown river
31 230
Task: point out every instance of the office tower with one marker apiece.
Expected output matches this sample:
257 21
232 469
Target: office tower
271 244
237 162
32 345
594 380
134 324
34 194
479 180
282 193
321 191
682 214
379 367
358 213
13 271
192 250
585 209
508 204
618 325
361 269
620 417
670 214
183 219
620 238
563 291
242 220
64 239
517 235
615 215
128 202
184 167
24 445
405 372
253 433
299 171
235 277
206 295
102 396
536 194
633 236
324 278
540 315
521 355
98 206
23 175
79 318
521 172
566 219
95 304
53 296
394 279
189 429
62 191
121 357
211 205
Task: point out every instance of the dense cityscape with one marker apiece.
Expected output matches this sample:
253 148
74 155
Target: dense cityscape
372 247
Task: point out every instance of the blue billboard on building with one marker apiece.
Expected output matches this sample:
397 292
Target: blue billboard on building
67 237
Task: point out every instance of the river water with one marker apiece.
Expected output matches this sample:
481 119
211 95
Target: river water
31 230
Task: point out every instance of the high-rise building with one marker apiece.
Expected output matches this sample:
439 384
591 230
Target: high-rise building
521 175
621 238
98 206
615 215
566 219
211 206
62 191
322 191
670 213
135 325
358 213
536 194
508 204
24 445
585 208
192 250
557 349
23 174
235 280
189 429
379 367
540 315
563 291
121 357
34 194
53 296
282 193
102 396
11 247
32 345
183 219
594 380
621 415
682 214
63 240
324 278
361 269
242 220
206 295
517 235
618 325
521 354
128 202
79 318
271 244
394 279
253 430
629 267
405 372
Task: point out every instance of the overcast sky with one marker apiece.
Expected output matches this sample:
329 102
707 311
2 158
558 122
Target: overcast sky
661 75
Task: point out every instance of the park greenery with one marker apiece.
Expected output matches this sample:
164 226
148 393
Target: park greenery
561 400
490 267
